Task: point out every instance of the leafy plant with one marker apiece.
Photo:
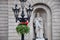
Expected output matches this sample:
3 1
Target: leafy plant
22 29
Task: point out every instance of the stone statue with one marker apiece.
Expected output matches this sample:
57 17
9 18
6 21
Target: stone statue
39 26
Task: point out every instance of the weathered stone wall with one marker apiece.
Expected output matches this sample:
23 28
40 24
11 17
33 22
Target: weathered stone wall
3 19
55 7
8 24
12 34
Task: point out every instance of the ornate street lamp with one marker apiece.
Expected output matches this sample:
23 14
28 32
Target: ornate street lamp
22 19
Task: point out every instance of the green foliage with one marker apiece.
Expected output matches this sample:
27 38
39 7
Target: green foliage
22 29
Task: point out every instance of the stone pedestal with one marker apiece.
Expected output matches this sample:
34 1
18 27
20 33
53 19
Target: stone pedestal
40 39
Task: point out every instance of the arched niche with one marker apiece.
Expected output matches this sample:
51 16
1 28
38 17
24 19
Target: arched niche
45 13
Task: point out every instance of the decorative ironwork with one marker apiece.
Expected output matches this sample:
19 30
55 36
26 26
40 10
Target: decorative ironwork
22 19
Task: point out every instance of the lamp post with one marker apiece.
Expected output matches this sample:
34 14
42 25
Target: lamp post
22 19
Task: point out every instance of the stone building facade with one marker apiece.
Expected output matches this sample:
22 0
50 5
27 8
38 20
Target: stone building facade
49 10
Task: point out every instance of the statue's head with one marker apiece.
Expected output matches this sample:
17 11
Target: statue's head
38 14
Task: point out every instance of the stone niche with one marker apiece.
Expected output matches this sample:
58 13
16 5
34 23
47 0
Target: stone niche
44 12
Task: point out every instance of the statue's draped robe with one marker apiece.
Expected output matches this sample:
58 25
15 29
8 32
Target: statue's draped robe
39 27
